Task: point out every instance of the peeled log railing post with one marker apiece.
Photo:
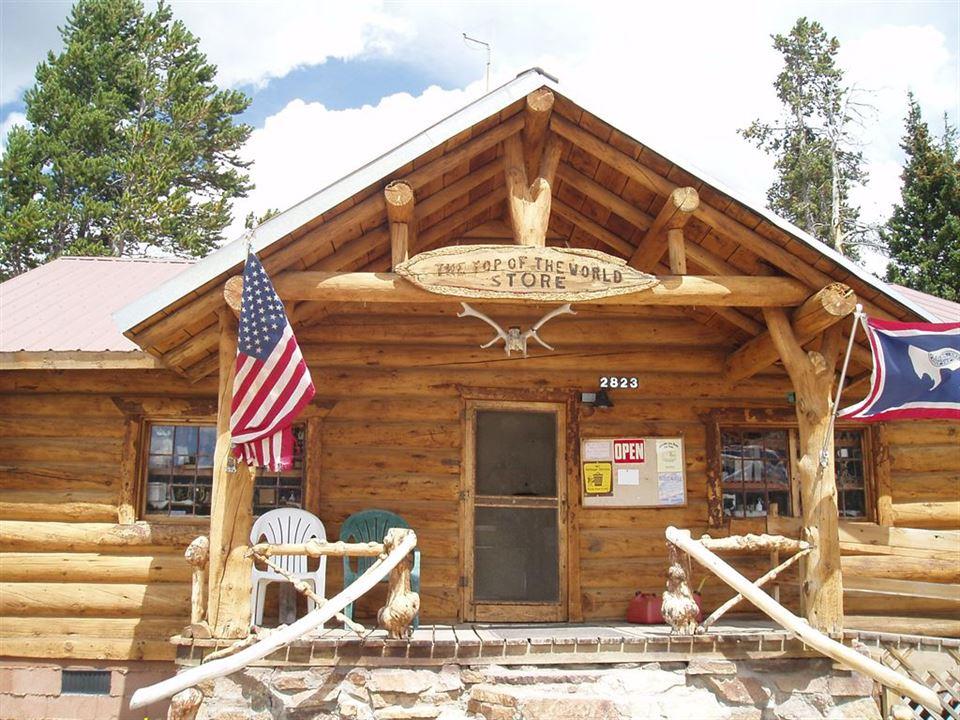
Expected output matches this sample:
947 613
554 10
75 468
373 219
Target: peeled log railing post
402 605
197 555
811 636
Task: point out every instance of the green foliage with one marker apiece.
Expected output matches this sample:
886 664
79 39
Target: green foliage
922 235
253 220
817 161
131 145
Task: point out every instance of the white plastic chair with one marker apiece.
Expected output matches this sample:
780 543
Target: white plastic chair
286 525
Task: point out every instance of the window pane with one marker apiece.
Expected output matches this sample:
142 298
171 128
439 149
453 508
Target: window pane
161 439
208 441
185 442
851 481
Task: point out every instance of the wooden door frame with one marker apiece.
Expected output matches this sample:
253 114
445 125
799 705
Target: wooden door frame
513 611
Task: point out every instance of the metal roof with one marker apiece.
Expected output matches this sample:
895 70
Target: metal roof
67 304
942 310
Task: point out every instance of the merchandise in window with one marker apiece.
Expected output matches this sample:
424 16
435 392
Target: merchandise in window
756 472
180 473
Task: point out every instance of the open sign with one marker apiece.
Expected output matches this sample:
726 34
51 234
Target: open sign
628 451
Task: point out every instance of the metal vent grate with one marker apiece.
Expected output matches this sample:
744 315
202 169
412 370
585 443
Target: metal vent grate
85 682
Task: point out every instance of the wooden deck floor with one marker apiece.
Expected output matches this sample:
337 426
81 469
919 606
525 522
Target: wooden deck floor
548 643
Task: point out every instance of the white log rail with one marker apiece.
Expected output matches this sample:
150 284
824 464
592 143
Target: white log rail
406 542
790 622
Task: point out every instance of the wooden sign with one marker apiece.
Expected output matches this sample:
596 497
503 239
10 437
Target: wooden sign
523 272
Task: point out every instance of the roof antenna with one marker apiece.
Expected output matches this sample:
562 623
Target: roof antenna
467 38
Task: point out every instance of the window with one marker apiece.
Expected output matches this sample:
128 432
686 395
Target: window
756 471
179 472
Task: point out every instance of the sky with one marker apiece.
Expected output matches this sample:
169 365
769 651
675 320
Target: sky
336 84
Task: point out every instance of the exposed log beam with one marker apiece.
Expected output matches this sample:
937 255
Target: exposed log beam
537 111
678 255
687 290
707 214
674 214
822 310
812 377
603 196
401 216
592 227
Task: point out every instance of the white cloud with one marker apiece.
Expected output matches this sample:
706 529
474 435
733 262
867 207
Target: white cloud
256 40
306 146
14 118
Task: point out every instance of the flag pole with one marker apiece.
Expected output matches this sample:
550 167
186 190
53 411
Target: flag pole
824 459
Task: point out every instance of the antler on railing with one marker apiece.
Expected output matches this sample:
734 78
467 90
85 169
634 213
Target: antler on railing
470 312
532 332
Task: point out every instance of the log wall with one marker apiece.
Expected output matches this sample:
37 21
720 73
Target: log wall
385 431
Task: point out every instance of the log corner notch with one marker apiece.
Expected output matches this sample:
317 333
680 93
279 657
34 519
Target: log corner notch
821 311
676 210
812 375
536 156
401 216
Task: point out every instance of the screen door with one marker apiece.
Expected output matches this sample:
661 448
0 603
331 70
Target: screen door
515 502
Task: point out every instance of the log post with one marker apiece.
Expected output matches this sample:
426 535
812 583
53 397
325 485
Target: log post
537 112
197 555
822 310
399 199
402 605
231 512
812 377
676 210
677 251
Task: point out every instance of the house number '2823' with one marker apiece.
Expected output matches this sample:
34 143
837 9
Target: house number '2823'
619 381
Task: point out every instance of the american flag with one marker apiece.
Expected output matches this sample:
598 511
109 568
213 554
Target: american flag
272 383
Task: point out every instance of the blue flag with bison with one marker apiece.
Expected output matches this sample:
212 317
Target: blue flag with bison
916 372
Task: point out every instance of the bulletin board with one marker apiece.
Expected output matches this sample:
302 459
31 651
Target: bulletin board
633 472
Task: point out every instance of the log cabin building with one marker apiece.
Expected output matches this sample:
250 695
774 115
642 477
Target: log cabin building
518 472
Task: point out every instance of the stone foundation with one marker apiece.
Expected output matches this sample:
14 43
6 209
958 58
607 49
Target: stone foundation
698 690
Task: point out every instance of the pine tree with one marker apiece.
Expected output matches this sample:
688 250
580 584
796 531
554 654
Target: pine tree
131 146
817 162
922 235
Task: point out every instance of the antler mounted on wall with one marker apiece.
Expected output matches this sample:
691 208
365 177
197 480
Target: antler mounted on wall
513 339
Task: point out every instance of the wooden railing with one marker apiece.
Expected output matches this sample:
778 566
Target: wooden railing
393 558
892 560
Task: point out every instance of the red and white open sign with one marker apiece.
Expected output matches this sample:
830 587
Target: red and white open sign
628 451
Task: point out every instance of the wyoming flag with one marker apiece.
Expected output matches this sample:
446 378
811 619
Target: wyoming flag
916 372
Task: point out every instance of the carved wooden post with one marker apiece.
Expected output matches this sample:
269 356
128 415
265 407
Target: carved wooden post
185 704
231 513
198 556
402 605
812 377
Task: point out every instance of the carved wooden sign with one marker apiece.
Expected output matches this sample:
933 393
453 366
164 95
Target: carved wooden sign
523 272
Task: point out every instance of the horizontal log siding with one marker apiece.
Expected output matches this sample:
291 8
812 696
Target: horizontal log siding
77 585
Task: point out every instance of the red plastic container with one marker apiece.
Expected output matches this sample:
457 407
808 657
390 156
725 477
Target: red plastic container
644 609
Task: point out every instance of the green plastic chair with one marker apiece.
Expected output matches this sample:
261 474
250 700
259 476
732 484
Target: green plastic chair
372 526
